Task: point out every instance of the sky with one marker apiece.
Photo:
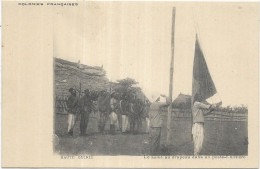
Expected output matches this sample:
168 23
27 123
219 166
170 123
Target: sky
133 39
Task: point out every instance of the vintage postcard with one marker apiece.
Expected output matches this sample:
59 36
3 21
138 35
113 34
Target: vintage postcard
130 84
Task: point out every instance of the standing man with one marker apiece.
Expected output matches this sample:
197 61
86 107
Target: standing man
200 108
104 110
118 111
138 110
156 120
86 104
124 108
114 113
132 115
146 116
72 104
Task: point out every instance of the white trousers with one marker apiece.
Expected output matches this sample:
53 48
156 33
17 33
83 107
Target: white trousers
198 137
71 121
113 118
124 123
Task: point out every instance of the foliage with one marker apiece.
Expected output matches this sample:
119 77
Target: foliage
127 82
235 109
126 87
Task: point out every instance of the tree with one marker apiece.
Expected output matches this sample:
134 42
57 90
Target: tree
125 87
234 109
127 82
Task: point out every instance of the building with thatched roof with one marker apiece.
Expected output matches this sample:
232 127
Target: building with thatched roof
80 77
182 102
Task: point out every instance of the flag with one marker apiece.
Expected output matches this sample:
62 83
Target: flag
202 82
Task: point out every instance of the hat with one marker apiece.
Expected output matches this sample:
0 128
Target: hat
71 89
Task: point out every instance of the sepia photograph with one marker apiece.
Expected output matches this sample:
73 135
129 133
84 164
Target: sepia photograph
150 79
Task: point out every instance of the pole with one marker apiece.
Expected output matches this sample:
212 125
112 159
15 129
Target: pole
171 79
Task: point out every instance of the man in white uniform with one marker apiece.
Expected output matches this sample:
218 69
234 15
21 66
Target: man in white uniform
199 110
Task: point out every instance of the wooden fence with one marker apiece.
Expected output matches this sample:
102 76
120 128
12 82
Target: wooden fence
177 114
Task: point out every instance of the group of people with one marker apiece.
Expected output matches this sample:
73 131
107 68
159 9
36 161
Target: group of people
124 110
121 111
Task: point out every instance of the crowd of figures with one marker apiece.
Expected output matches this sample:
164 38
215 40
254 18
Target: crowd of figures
119 109
127 110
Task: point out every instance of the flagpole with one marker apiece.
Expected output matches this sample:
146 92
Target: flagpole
171 79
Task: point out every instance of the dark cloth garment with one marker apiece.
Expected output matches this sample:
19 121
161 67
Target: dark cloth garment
138 124
155 138
132 122
120 121
102 121
86 104
112 129
84 123
135 123
138 108
145 112
124 107
72 104
104 103
132 117
104 110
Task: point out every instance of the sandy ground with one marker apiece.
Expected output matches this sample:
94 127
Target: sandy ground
221 138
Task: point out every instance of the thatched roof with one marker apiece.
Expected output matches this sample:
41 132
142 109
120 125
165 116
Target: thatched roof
182 102
70 74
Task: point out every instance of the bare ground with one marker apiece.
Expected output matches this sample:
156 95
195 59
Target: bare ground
221 138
